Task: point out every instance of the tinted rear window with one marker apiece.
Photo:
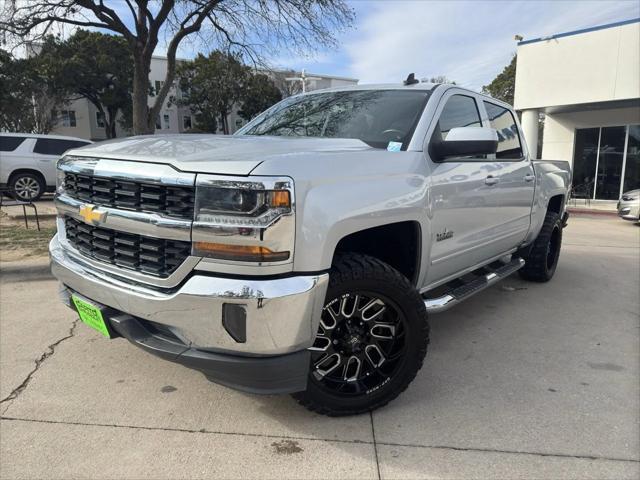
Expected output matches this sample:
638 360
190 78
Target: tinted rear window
9 144
52 146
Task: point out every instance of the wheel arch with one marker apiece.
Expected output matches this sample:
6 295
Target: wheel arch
556 204
33 171
397 244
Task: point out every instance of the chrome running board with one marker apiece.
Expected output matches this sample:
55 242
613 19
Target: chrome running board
484 277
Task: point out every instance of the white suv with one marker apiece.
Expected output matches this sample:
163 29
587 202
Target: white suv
28 161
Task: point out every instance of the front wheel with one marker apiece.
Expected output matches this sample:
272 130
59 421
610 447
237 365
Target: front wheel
543 257
371 341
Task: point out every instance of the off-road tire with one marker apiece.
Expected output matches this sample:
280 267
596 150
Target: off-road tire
21 183
542 260
356 273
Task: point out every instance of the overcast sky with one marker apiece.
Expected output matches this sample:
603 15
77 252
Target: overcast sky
468 41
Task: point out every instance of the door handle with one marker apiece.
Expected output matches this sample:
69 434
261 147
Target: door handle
529 178
491 180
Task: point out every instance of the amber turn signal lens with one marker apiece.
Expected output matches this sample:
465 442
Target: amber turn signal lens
245 253
279 199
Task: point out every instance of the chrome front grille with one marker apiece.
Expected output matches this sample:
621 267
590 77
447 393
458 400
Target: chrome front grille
169 200
144 254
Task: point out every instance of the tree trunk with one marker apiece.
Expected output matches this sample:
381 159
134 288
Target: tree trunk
161 96
142 124
110 123
225 125
107 123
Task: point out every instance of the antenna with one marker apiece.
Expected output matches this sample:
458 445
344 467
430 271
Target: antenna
411 79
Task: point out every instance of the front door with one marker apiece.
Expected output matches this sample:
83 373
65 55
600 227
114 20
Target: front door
462 197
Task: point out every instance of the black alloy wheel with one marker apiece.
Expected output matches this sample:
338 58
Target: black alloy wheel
553 247
371 341
360 343
542 260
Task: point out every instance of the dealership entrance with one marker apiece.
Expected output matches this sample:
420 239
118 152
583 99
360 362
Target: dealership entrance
606 161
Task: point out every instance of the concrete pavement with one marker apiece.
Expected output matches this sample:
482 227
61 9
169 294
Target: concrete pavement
522 381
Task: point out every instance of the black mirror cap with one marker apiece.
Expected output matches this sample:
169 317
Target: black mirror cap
466 148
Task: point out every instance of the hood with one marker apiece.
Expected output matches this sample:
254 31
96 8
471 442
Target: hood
217 154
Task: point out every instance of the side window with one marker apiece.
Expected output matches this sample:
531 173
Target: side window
100 120
459 111
501 119
52 146
9 144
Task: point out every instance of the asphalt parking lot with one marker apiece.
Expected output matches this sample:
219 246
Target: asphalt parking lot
522 381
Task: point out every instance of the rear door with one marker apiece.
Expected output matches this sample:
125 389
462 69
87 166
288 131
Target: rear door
15 153
47 151
513 193
463 205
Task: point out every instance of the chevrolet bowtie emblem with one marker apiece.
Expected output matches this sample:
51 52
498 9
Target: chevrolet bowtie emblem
91 214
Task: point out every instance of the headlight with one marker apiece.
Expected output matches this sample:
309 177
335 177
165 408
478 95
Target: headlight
241 204
244 221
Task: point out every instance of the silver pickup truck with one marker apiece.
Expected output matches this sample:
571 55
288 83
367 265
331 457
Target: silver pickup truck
305 253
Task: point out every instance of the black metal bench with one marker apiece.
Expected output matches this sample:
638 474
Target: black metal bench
12 201
583 192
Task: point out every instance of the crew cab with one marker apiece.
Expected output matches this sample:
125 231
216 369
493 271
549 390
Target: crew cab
305 254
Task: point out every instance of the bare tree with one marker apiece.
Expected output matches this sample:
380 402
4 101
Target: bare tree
441 79
286 87
252 28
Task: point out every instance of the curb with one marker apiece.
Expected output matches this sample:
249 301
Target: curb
589 212
25 270
30 216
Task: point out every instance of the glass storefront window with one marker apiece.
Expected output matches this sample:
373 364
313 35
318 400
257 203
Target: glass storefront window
610 163
602 168
632 168
584 162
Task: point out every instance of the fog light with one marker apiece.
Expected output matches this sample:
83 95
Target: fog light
234 321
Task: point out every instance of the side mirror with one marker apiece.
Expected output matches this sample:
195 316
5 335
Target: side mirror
467 141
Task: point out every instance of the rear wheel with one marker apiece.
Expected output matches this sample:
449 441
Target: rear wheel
542 260
27 186
371 341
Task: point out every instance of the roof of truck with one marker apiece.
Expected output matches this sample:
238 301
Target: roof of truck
422 86
379 86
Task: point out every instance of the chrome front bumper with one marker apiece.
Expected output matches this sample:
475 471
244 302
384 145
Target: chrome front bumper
282 314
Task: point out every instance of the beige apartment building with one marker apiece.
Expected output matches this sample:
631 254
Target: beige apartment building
586 86
81 119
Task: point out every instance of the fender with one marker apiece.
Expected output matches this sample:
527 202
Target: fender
552 178
340 194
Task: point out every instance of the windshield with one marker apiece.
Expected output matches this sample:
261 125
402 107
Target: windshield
377 117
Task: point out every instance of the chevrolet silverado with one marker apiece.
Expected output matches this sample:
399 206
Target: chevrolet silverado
305 253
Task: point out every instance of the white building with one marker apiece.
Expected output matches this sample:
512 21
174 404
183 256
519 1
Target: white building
587 85
81 119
